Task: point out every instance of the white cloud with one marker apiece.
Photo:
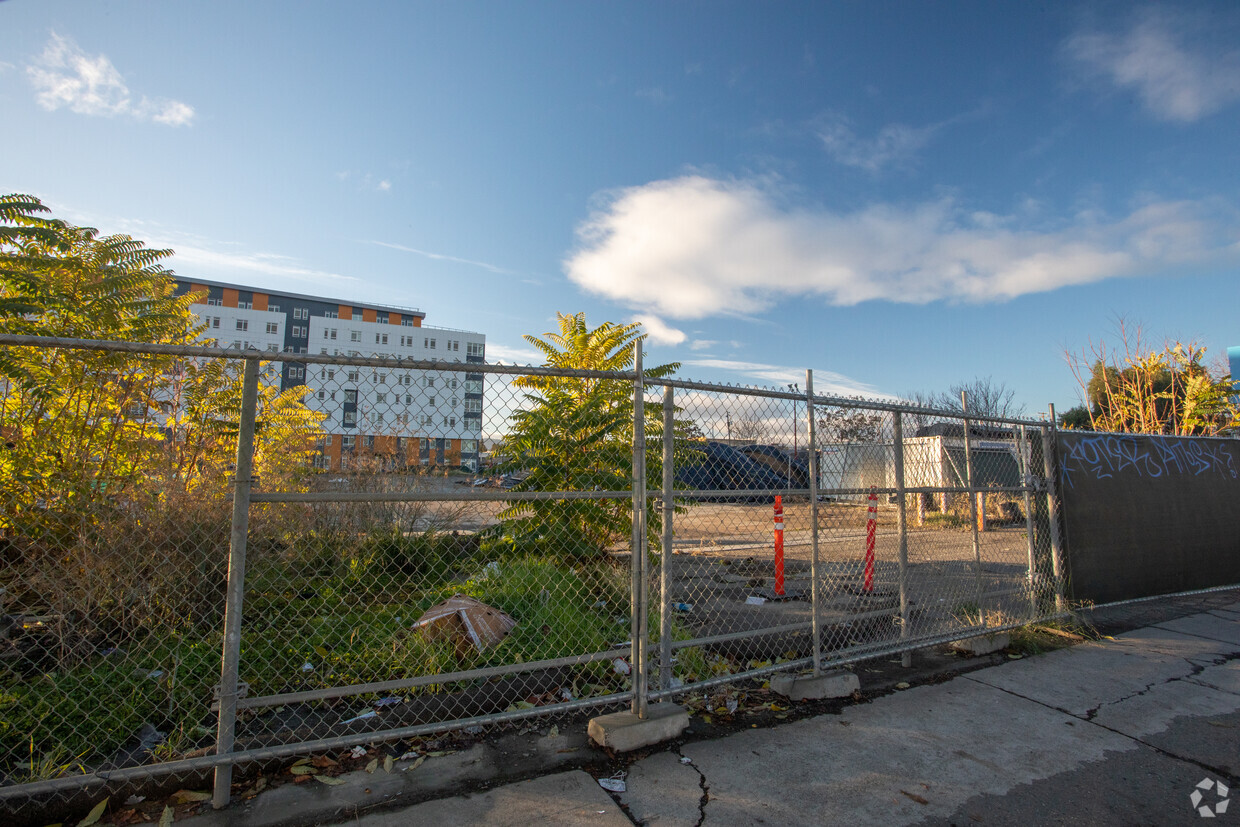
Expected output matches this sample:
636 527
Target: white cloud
384 186
894 145
693 247
702 344
65 76
513 355
780 376
444 257
655 95
1175 82
658 331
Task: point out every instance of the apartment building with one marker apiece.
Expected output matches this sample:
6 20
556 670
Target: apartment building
396 417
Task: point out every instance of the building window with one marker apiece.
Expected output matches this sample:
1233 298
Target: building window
431 402
381 338
408 399
473 386
353 375
357 315
350 418
428 381
469 446
215 302
376 417
475 349
243 324
350 397
331 314
406 323
380 398
273 327
331 374
245 305
273 308
473 405
347 441
355 336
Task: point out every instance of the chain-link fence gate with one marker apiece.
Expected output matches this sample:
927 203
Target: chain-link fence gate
206 565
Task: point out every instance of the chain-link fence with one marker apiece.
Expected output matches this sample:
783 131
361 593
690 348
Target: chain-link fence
210 560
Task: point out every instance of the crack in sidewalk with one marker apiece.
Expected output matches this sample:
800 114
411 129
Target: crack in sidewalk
1232 779
705 799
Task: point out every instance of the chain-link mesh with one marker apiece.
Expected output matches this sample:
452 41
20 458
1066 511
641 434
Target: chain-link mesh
420 547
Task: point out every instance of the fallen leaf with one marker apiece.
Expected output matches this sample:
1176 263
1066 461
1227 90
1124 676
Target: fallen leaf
304 769
95 814
165 820
915 797
373 765
387 763
554 732
1220 724
327 779
189 796
323 762
260 784
300 761
415 764
903 685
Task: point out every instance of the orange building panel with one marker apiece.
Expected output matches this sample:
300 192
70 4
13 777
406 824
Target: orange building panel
369 314
201 290
230 297
417 321
346 312
260 301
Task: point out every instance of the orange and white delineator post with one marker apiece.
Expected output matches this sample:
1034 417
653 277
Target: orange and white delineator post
871 524
779 545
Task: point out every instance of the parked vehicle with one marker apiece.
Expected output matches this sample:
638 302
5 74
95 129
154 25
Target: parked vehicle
724 468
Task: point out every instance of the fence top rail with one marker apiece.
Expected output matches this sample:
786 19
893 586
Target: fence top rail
391 362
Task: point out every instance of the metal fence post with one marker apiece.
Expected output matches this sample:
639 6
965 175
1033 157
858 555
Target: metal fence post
968 472
1049 462
897 432
230 660
665 567
814 591
1026 476
637 563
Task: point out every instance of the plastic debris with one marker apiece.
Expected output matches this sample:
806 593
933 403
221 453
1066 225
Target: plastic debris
621 666
307 667
684 759
382 702
755 600
466 622
614 784
357 752
682 607
370 713
409 756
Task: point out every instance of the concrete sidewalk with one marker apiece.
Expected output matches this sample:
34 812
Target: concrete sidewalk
1118 731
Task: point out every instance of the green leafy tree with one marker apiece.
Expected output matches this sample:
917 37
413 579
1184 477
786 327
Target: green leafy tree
576 434
83 427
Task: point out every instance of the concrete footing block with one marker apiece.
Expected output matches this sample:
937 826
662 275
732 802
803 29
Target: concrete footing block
982 644
625 732
835 684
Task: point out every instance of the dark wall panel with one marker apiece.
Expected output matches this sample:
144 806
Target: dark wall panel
1146 515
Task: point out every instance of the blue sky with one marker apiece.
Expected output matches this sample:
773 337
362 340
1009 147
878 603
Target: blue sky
898 195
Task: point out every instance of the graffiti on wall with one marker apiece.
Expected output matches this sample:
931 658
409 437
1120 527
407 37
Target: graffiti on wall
1144 455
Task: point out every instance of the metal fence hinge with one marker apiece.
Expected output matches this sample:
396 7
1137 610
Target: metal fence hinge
243 690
